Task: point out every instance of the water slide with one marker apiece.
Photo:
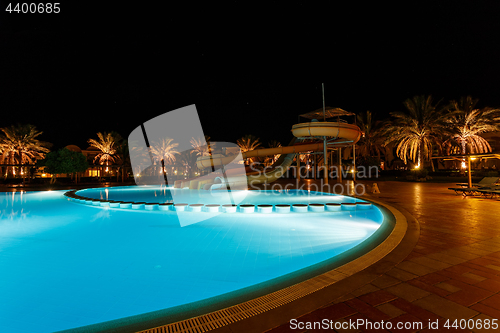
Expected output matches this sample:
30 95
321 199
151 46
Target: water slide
339 135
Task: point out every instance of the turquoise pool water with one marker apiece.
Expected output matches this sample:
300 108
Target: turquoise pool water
66 265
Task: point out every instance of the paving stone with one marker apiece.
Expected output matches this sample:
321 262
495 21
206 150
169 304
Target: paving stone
492 301
377 297
486 310
407 291
415 268
471 249
391 310
446 258
385 281
331 312
433 278
445 308
367 310
459 277
343 298
461 254
489 284
458 269
431 263
430 288
368 288
495 267
467 297
447 287
415 310
486 275
474 276
482 268
401 274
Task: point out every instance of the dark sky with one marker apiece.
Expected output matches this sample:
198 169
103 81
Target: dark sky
250 69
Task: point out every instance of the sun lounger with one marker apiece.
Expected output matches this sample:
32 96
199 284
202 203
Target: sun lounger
464 190
490 191
474 190
486 181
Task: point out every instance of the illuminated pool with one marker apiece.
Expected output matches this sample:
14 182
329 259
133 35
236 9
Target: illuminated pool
68 264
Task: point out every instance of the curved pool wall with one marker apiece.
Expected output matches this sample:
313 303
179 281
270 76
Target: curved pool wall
214 201
160 195
43 223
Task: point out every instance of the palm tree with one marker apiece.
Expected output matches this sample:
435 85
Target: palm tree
122 154
164 152
248 143
202 147
138 154
19 146
188 162
371 143
465 123
272 159
416 131
3 150
107 144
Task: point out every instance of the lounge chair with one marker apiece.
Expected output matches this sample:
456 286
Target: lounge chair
474 190
491 191
464 190
486 181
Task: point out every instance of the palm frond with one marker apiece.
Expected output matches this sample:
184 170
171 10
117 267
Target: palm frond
417 130
107 145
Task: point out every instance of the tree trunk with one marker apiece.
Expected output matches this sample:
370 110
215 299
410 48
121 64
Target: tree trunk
419 155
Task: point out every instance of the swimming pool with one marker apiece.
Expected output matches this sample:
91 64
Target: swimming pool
67 265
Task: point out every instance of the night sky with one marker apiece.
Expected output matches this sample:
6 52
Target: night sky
249 69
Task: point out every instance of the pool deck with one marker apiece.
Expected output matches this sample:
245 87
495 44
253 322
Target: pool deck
452 270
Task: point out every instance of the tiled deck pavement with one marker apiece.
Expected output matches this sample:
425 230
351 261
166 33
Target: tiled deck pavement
453 271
